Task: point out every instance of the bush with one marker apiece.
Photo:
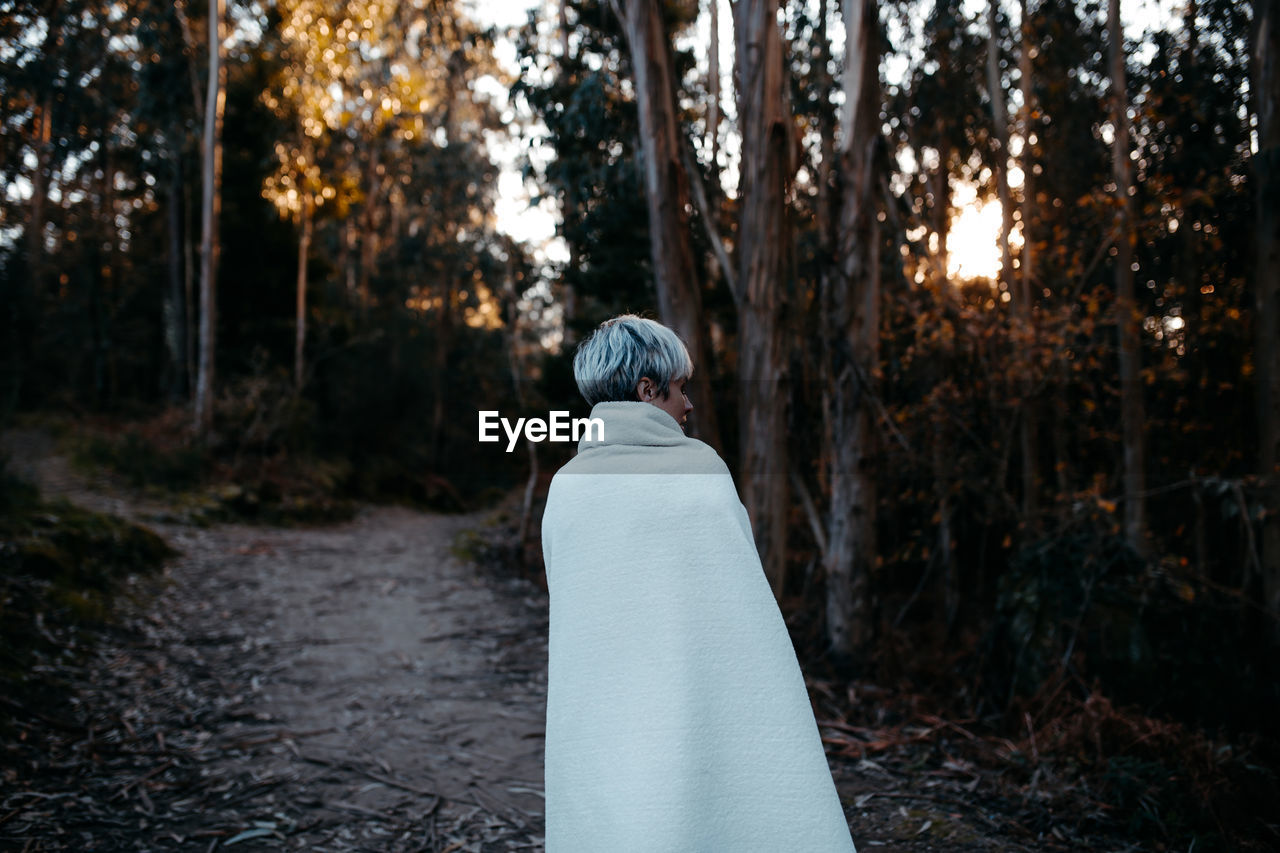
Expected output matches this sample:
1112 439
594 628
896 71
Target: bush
1082 603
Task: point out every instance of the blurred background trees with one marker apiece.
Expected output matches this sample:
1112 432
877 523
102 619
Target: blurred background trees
983 294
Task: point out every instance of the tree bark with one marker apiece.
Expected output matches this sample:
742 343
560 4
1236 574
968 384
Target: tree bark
1266 167
668 196
1127 317
851 306
215 106
768 165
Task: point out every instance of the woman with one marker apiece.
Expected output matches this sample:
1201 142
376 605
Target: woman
677 717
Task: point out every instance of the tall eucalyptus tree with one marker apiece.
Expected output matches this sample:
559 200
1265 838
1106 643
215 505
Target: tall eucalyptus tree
1266 169
1128 319
667 192
211 175
851 335
768 166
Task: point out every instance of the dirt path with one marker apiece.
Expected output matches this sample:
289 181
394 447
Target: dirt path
385 668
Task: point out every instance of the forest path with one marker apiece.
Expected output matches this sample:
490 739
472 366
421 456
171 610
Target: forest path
349 687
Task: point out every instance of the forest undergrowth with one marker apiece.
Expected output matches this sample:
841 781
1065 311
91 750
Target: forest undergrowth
1068 762
266 461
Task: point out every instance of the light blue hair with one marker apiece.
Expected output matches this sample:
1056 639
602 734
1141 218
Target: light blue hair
610 362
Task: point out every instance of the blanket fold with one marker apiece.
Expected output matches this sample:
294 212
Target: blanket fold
677 716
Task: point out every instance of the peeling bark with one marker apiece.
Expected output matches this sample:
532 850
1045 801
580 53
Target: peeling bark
851 309
768 167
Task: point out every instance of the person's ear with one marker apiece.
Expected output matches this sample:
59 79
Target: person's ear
646 390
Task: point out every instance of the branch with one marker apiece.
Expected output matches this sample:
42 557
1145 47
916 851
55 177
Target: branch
699 193
1238 493
190 43
1112 236
622 20
810 511
878 404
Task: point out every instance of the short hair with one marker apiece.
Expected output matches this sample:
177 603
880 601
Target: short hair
610 362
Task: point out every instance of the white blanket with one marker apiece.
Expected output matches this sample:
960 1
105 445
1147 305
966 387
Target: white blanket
677 717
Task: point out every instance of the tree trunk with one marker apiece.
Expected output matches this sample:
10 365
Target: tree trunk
189 286
1127 318
942 203
1026 124
945 556
175 305
1266 167
570 212
104 218
851 306
668 196
1000 122
826 214
564 29
43 124
347 262
512 339
713 82
767 165
1058 418
369 239
1031 414
440 368
300 319
189 41
215 105
41 133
